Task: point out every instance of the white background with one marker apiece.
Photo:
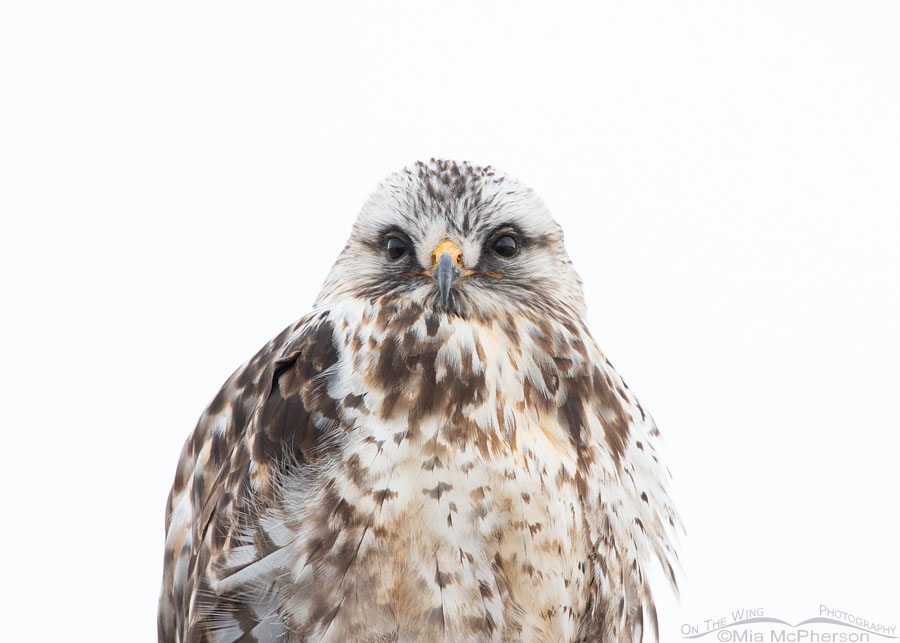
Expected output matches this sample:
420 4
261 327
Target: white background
176 179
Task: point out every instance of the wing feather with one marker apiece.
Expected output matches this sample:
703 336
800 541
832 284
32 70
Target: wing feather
273 413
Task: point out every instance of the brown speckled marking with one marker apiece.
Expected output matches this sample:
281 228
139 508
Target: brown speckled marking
391 468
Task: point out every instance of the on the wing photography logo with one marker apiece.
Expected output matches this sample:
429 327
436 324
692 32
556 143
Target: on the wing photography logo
754 625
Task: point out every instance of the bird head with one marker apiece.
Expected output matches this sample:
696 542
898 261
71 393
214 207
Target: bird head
457 239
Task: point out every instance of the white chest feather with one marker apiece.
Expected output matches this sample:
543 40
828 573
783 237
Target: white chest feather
465 516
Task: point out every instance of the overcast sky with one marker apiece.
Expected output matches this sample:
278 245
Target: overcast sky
176 179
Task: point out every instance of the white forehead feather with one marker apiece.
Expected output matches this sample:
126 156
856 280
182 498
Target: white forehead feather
456 198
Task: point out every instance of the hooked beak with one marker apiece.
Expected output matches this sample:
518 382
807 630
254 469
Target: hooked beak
446 272
447 269
446 261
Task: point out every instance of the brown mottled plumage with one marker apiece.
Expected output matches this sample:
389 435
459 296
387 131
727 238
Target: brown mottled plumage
438 452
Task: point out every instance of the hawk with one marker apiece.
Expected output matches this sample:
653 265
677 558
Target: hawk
437 452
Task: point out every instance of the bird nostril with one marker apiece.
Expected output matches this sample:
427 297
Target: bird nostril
457 258
447 247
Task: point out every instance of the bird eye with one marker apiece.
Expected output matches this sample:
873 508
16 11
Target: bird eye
506 246
396 248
